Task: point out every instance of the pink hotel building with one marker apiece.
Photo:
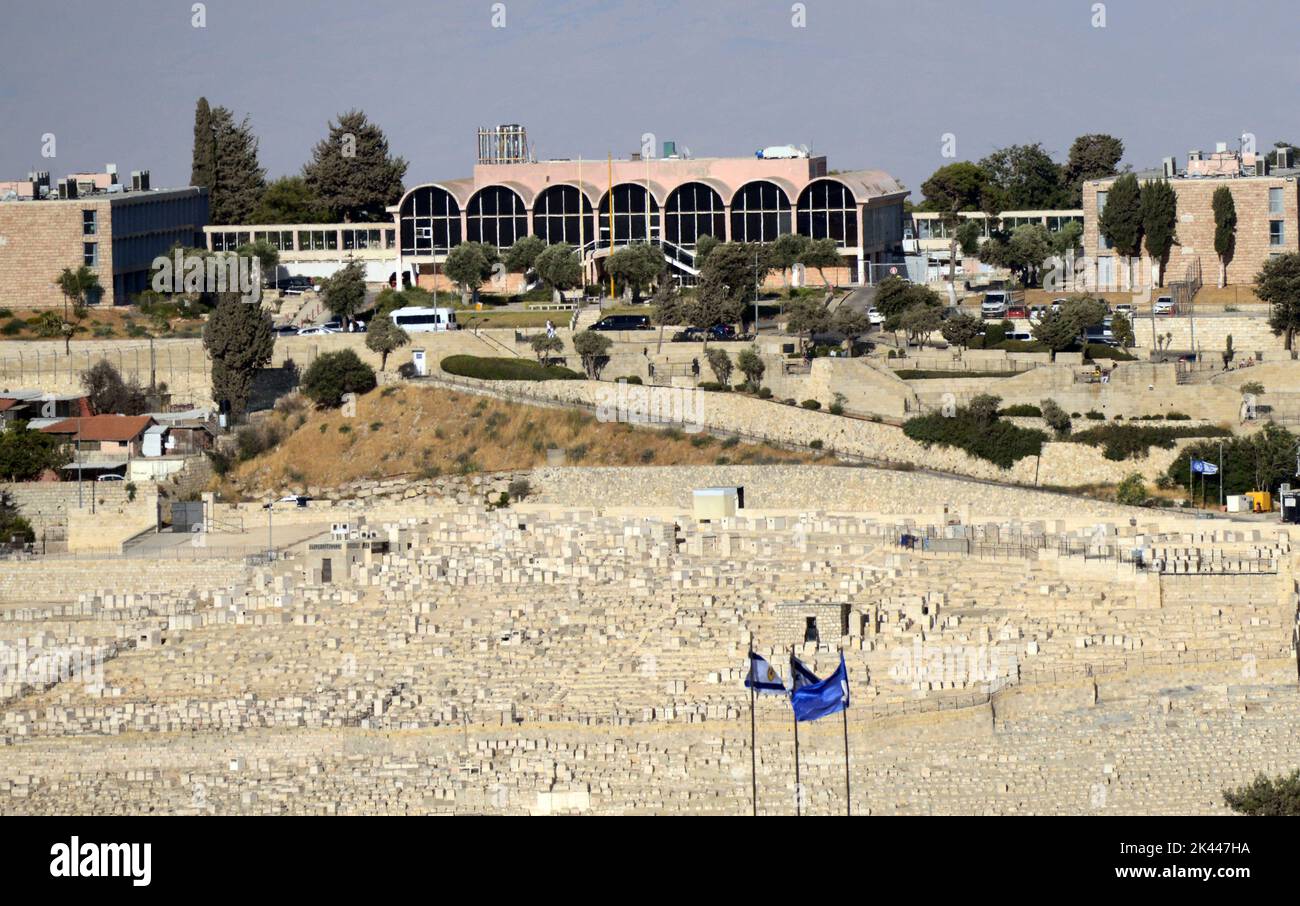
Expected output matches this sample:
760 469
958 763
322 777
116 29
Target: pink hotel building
670 201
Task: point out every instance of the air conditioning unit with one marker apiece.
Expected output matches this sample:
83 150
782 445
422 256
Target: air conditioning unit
139 180
1261 166
1285 158
1170 166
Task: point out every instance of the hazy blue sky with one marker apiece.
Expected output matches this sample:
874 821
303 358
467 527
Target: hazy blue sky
869 84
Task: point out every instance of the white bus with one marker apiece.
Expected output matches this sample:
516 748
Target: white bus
424 320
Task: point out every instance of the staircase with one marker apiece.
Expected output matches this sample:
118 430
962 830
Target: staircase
680 259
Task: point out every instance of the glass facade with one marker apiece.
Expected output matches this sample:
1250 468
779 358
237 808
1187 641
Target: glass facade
496 216
555 216
828 210
429 222
630 214
694 210
760 212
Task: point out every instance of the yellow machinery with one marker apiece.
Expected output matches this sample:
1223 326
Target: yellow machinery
1260 501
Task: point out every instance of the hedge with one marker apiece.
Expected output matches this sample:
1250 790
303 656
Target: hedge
1133 441
1000 442
503 369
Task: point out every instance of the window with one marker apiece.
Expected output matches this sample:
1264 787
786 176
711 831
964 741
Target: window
90 254
1101 202
810 633
496 216
630 215
828 210
430 221
555 216
759 213
1276 232
1275 201
693 210
90 222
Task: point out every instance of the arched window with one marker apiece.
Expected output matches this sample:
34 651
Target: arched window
630 215
430 221
497 216
828 210
555 216
760 212
694 210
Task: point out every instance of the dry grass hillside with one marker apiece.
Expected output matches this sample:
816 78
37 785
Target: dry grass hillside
417 431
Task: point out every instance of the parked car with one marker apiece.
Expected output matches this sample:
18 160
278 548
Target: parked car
697 334
355 326
1056 304
110 477
1017 310
623 322
316 331
1100 333
295 286
286 330
1164 306
1126 309
875 317
1036 313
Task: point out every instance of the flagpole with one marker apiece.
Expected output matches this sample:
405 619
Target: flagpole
1222 468
848 794
798 790
753 735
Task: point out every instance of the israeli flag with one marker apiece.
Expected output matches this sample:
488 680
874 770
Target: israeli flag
1203 467
763 677
821 699
800 674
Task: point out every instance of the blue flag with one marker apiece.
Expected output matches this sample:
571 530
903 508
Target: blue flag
800 675
1204 467
825 697
763 677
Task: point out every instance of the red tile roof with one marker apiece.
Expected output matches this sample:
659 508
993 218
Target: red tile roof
119 428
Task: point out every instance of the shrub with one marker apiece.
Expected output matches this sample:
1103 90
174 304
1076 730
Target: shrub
835 409
1131 491
1096 351
1022 410
519 489
631 379
1055 417
996 441
1134 441
1252 388
12 329
1177 417
765 393
811 404
503 369
816 444
1094 415
333 374
1276 798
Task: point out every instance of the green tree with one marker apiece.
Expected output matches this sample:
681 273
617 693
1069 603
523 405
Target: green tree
352 172
290 200
521 257
805 317
107 393
1159 208
1225 229
558 267
969 235
25 454
636 267
714 302
1061 329
1273 798
344 293
1121 220
735 270
385 337
751 366
1024 177
951 190
1278 285
545 345
14 529
920 322
821 254
851 322
203 167
983 408
334 374
1023 252
267 255
593 348
671 308
1093 156
1122 330
1055 417
238 179
785 252
239 341
720 364
78 287
469 265
961 329
703 246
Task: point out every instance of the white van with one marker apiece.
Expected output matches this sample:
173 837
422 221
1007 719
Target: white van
424 320
995 304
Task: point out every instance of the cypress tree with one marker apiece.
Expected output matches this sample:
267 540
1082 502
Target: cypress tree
1121 219
1225 229
1159 220
239 341
204 166
238 179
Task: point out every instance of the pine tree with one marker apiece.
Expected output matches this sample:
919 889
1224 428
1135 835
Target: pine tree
239 180
352 172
